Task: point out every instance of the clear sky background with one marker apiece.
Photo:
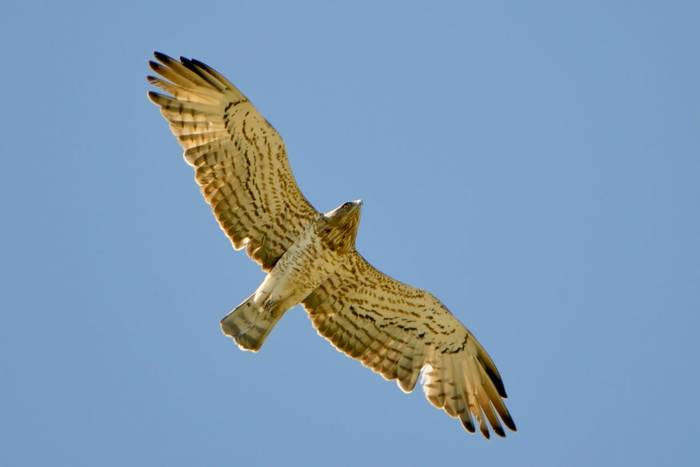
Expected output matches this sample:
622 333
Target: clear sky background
536 165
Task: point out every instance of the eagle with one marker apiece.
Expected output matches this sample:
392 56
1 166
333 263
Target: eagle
396 330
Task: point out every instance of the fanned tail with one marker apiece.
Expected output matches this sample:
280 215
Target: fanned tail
249 324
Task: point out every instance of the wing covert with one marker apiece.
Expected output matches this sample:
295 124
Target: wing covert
240 160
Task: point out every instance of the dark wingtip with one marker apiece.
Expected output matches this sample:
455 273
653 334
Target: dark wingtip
155 97
189 65
497 381
200 64
157 67
498 429
468 425
509 422
161 57
493 374
485 432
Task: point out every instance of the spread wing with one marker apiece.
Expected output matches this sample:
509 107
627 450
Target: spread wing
239 159
397 330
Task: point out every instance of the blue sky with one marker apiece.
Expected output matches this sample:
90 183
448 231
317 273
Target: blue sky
534 164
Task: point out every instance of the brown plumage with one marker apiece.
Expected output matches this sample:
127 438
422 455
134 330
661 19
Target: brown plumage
394 329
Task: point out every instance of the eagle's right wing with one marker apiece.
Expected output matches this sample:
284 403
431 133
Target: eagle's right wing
240 160
397 330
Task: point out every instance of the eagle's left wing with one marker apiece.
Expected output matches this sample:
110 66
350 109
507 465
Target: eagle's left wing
397 330
240 160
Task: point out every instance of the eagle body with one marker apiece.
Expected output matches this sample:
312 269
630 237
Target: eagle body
397 330
308 262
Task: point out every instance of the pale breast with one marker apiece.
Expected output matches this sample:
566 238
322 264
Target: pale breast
305 265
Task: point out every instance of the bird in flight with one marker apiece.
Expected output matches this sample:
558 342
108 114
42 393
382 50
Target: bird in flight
397 330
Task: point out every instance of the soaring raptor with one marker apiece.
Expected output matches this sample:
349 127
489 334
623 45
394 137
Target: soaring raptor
394 329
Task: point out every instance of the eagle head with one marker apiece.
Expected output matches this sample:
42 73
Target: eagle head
338 228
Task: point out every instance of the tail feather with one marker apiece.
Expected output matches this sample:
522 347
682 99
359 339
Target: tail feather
249 324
